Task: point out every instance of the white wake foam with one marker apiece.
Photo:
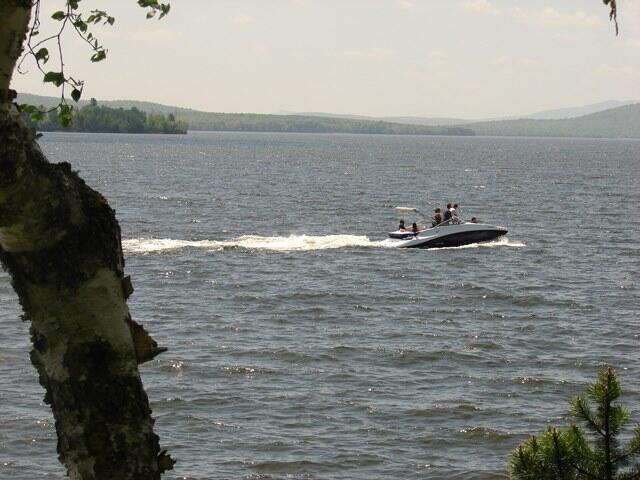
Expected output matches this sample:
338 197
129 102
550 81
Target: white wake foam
291 243
252 242
155 245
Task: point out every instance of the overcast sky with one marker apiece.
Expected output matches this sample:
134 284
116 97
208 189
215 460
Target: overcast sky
457 58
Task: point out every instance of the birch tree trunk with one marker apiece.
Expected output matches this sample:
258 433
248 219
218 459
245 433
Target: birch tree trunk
60 242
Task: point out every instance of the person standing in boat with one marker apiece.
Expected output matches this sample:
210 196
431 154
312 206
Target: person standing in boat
447 214
437 217
455 214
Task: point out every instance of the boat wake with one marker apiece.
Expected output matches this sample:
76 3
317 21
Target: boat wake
292 243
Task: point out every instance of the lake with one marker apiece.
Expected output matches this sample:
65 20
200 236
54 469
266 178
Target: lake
302 345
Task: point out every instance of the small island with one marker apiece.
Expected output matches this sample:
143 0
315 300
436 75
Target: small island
96 118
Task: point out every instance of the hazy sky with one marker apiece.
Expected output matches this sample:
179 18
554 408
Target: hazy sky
462 58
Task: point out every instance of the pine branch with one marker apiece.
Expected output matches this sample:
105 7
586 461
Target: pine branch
580 408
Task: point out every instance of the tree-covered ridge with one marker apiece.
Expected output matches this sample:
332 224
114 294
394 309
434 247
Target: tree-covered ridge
617 122
101 119
252 122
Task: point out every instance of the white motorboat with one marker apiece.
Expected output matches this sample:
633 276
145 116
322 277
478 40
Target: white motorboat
448 235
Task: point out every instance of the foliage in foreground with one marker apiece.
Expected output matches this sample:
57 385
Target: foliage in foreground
592 453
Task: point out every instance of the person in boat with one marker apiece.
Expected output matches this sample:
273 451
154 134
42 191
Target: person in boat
474 220
401 227
447 214
437 217
414 228
455 214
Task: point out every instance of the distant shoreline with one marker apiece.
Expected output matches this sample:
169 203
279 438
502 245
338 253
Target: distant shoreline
612 123
520 137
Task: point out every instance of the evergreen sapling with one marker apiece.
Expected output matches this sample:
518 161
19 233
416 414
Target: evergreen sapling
590 452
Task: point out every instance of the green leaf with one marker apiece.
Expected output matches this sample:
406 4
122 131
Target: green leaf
57 78
26 108
148 3
36 114
59 15
42 55
99 56
80 25
111 20
155 7
65 115
76 94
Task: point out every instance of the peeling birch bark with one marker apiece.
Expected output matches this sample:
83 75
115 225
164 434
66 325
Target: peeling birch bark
60 242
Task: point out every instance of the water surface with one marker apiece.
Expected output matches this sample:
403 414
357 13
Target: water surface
301 345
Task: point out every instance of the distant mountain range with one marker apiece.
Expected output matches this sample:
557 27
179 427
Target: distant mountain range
556 114
620 122
612 119
578 111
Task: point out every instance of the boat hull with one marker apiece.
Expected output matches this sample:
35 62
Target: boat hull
454 236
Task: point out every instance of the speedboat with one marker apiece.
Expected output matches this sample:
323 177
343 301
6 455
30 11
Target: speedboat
448 235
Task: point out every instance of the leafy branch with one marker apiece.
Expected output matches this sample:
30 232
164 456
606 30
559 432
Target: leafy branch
71 19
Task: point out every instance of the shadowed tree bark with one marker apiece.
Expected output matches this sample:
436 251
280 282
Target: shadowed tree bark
60 242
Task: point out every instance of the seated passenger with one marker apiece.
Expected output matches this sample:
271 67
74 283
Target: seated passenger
474 220
414 227
402 228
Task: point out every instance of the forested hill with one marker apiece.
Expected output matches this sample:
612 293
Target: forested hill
251 122
100 119
620 122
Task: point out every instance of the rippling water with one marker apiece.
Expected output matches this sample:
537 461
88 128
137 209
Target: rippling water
302 346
